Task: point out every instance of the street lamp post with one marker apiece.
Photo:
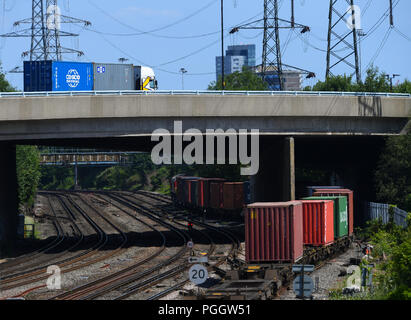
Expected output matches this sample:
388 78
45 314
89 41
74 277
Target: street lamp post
182 70
390 78
222 44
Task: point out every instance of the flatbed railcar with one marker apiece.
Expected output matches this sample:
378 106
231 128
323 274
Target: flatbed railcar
278 235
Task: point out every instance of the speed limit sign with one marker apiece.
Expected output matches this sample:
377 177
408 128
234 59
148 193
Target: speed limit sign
198 274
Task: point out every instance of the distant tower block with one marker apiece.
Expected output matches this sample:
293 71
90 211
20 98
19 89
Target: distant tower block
272 65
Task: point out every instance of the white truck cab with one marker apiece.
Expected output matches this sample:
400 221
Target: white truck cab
145 78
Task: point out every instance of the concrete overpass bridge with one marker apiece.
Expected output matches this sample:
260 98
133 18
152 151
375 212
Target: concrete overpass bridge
293 126
42 116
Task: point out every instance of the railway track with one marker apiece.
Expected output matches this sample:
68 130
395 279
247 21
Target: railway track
27 276
39 267
128 275
232 238
58 239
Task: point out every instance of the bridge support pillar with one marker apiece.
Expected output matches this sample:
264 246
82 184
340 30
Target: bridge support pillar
8 199
275 180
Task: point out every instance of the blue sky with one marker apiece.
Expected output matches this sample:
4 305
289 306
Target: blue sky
169 35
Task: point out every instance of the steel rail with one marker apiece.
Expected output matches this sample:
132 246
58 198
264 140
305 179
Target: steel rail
138 276
165 275
234 248
81 290
49 246
94 250
42 268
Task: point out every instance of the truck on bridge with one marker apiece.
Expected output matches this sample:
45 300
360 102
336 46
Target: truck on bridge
83 76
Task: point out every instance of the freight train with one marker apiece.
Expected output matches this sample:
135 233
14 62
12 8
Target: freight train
214 196
81 76
277 234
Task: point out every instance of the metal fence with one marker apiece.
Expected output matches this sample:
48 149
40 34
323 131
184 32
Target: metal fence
381 211
202 93
400 217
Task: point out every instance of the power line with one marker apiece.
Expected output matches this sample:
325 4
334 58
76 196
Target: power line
141 32
202 35
381 46
363 11
194 52
402 34
172 61
152 66
156 35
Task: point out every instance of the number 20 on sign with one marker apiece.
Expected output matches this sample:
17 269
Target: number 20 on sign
198 274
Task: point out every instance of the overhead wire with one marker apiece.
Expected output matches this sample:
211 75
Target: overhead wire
367 5
194 52
381 46
158 67
287 42
141 32
402 34
202 35
167 36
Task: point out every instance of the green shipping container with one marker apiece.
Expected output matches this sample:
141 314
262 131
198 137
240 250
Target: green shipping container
340 214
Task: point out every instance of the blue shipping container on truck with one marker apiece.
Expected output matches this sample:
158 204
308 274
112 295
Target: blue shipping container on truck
58 76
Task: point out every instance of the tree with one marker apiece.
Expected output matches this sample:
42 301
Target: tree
4 84
245 81
333 83
28 175
375 81
393 175
404 87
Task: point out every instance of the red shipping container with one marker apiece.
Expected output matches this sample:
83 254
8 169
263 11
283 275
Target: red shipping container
318 222
233 195
180 189
184 189
274 232
216 195
341 192
203 191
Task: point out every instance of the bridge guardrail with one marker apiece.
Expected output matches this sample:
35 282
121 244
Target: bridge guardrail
200 92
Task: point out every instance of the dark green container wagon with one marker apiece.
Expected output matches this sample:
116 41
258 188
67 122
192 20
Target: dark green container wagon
340 214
